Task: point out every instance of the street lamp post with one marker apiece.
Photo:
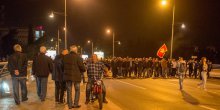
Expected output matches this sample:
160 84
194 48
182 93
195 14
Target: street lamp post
113 42
58 42
65 26
113 46
65 22
173 22
91 44
164 2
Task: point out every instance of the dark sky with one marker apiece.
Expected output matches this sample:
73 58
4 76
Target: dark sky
141 25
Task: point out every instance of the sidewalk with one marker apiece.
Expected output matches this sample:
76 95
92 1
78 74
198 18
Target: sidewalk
34 103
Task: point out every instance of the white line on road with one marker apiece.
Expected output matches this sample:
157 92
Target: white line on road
131 84
208 108
192 87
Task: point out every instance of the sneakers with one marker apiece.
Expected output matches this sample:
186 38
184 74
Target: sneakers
23 100
76 106
17 103
105 101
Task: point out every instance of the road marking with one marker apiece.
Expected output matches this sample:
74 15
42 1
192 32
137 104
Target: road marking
193 87
208 108
131 84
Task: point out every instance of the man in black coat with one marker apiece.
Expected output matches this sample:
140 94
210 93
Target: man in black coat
17 66
42 66
57 76
73 67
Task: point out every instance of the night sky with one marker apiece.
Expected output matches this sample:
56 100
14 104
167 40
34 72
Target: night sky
141 25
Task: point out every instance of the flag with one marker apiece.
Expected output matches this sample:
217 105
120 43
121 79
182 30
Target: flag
162 50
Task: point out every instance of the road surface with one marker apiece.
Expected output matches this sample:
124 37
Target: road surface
132 94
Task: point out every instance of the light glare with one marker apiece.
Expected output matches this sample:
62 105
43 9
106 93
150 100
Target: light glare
183 26
6 87
51 15
164 2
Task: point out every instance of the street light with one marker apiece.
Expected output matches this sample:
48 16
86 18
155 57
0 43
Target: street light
91 43
51 15
65 27
164 2
65 22
119 43
183 26
108 31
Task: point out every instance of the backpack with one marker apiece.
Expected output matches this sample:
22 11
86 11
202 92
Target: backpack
182 67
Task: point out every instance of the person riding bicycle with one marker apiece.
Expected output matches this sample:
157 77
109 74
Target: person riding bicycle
95 71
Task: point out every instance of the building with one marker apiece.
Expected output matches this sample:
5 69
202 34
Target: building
24 35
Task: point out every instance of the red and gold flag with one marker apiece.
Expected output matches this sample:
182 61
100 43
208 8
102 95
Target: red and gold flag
162 50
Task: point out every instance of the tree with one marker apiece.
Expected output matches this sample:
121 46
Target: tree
8 41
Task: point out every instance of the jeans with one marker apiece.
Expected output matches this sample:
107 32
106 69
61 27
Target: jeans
83 77
173 72
15 83
164 72
69 93
60 87
181 76
89 87
42 87
204 79
149 72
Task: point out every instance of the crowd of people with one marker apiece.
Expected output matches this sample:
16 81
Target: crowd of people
68 68
154 67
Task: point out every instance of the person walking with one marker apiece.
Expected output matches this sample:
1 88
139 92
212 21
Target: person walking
140 68
190 63
57 76
41 68
204 70
181 71
169 67
195 68
174 66
164 67
73 67
209 68
17 66
114 67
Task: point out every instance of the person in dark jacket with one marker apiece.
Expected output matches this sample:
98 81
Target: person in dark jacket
57 76
209 68
195 68
42 66
114 68
73 67
190 63
140 67
17 66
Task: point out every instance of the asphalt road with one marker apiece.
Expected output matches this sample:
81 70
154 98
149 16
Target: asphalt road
163 94
132 94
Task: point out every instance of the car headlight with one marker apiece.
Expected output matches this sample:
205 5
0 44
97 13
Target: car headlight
5 87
